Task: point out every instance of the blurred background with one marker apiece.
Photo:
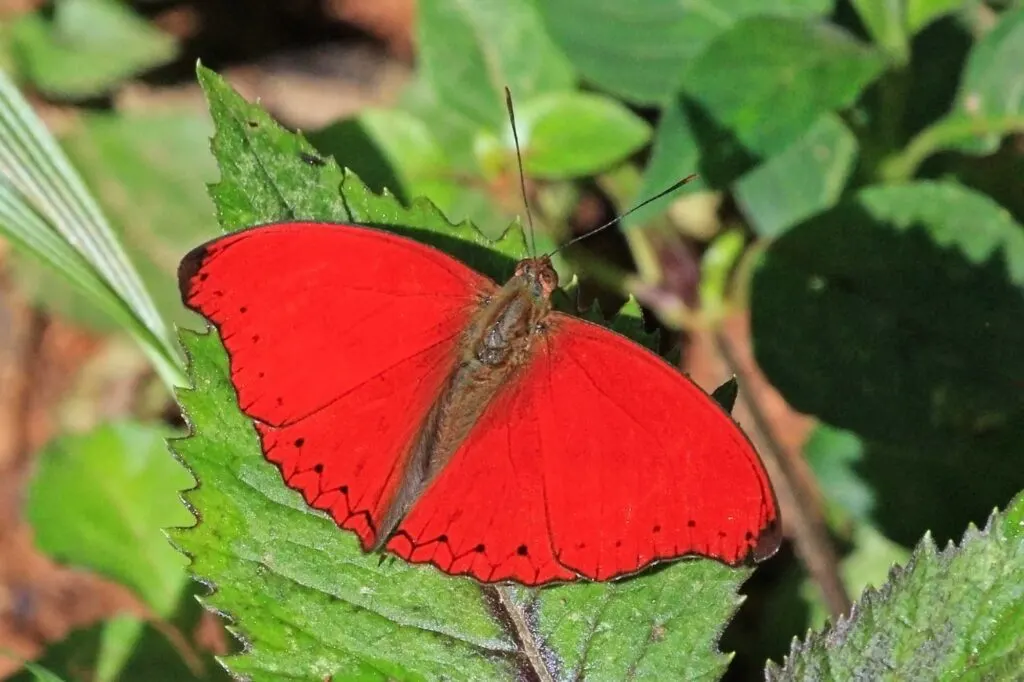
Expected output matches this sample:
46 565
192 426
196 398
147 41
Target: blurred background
852 251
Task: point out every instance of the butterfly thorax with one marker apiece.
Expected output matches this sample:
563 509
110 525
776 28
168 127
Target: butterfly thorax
498 341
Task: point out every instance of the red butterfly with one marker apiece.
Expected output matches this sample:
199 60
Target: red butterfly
453 421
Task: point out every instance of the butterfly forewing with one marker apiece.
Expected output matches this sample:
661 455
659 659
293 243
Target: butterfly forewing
339 339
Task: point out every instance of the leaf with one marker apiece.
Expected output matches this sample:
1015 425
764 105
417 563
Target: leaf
143 168
470 51
805 178
832 455
310 604
886 23
265 178
895 315
675 153
950 614
395 150
115 529
40 674
569 135
88 47
639 50
990 102
764 82
920 13
903 489
172 651
46 210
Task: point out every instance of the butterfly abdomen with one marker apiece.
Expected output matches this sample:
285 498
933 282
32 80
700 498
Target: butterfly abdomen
497 342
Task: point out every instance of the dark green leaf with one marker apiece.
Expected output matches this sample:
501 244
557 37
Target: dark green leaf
311 604
88 47
950 614
639 49
805 178
896 315
763 83
576 134
470 51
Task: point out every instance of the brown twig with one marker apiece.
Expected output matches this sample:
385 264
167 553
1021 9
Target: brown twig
797 492
523 632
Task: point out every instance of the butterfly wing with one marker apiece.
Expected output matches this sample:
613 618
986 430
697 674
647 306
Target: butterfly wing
339 339
597 460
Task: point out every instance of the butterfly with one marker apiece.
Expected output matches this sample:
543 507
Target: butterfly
450 420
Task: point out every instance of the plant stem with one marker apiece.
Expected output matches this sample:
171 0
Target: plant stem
945 133
797 492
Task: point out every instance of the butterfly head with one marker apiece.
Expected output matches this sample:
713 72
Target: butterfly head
538 274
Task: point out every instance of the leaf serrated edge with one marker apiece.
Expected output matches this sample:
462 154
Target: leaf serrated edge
231 623
831 636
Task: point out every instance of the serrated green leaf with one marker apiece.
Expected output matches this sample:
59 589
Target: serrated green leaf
867 565
763 83
395 150
807 177
888 317
470 51
88 47
310 603
640 49
991 96
115 529
267 174
569 135
957 613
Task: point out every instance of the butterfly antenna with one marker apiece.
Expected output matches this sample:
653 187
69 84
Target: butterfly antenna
664 192
522 176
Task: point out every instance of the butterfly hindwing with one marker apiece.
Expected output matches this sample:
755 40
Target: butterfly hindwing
598 459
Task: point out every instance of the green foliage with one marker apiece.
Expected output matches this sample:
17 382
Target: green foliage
306 599
99 501
87 47
949 614
869 210
115 529
472 51
804 179
641 50
145 170
46 210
